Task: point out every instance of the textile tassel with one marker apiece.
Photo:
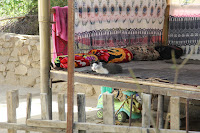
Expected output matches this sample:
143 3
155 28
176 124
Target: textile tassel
198 51
184 50
189 50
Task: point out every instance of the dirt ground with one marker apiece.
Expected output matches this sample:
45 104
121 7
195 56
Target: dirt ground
91 103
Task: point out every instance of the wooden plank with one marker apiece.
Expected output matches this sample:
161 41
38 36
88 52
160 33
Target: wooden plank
81 109
89 77
12 104
15 126
28 107
70 76
46 123
95 127
122 129
146 110
175 113
160 111
108 109
61 107
44 106
184 91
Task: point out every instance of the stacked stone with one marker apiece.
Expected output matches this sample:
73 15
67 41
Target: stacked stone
19 59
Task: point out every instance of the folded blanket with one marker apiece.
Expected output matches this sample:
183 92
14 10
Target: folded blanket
114 55
81 60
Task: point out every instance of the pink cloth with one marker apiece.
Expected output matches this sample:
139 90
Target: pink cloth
59 31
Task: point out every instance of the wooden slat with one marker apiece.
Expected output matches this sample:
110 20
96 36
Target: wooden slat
15 126
28 107
44 106
61 107
175 113
160 111
81 109
146 110
12 104
108 109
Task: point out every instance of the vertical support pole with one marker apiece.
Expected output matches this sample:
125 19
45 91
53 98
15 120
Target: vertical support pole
160 110
146 110
12 104
45 54
81 109
44 106
61 107
28 107
70 82
187 115
108 109
175 113
166 24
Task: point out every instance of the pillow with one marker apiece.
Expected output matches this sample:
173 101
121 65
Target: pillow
143 52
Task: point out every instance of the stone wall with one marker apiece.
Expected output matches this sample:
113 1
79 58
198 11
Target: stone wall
19 59
20 64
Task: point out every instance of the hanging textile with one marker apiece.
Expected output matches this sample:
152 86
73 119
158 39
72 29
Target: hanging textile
59 32
184 24
118 23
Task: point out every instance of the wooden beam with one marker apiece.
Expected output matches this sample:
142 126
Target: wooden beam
81 109
166 24
96 127
167 89
175 113
61 107
70 76
146 110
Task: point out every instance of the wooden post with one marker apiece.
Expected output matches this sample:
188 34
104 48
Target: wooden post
70 82
160 110
61 107
81 109
146 110
45 49
175 113
28 108
12 104
166 25
44 106
108 109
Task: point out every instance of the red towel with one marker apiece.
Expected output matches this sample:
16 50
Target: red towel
59 31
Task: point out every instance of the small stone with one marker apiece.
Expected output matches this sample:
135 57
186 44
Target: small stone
15 52
2 68
11 66
19 43
24 60
4 59
21 70
33 72
36 55
27 81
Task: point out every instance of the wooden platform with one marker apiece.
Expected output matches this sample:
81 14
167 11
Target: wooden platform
152 76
